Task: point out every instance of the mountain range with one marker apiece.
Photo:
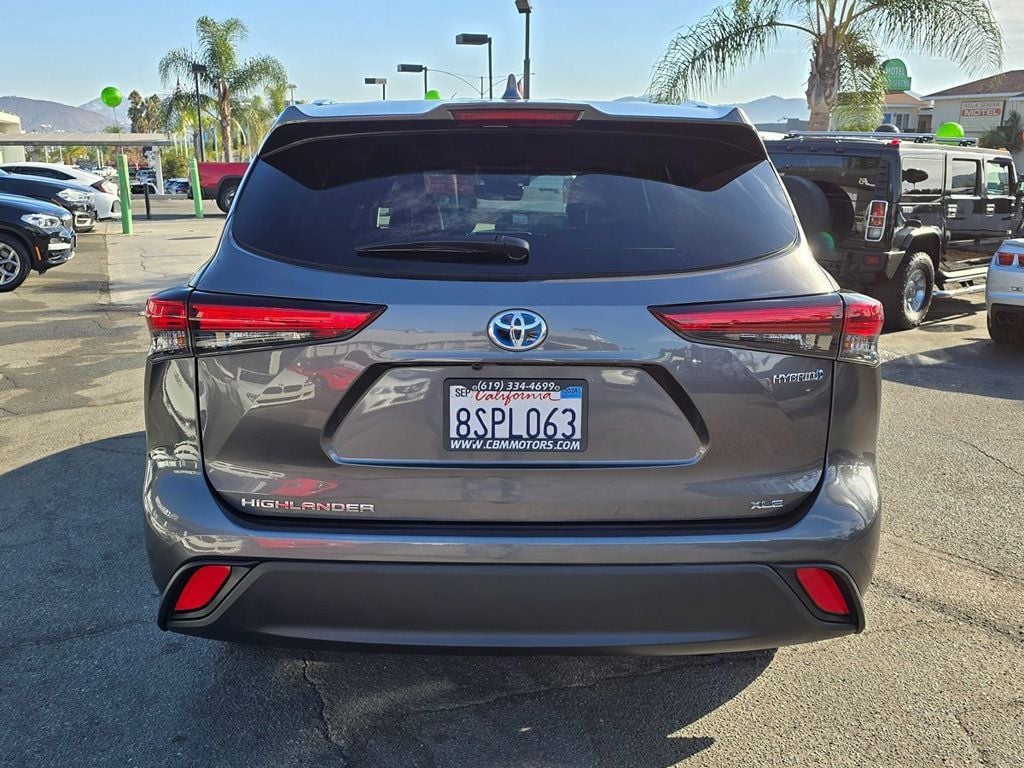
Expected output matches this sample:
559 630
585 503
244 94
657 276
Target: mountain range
41 115
767 109
97 106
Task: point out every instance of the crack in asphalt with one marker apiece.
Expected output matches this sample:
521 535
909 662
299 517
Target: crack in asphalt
717 661
325 720
903 592
952 558
980 752
980 450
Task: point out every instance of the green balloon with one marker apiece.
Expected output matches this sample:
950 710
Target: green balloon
433 95
950 130
110 96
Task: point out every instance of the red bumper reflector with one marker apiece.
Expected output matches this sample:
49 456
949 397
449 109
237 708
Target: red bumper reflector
202 586
821 587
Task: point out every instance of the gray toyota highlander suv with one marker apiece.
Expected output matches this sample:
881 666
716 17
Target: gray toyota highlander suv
506 375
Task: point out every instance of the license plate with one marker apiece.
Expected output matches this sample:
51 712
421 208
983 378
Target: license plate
516 415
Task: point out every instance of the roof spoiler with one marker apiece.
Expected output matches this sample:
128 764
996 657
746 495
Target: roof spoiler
886 136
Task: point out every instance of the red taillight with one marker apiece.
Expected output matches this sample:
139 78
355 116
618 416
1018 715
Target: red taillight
165 314
212 323
168 325
1020 259
216 325
802 326
202 586
517 116
319 324
1005 258
862 325
824 591
875 226
846 327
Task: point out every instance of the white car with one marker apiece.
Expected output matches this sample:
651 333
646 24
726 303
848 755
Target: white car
108 204
1004 293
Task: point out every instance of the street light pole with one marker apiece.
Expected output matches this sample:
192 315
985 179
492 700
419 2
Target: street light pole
382 82
198 69
292 87
523 6
416 68
475 39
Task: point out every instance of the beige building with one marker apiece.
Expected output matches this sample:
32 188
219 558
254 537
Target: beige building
982 105
907 112
11 124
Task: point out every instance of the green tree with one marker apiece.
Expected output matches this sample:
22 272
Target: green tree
1006 135
226 77
136 110
844 38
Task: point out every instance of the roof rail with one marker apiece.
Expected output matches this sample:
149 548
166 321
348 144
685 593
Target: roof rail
916 138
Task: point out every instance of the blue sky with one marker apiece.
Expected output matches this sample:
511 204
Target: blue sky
585 49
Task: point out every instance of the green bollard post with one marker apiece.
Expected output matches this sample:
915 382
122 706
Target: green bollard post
197 192
125 191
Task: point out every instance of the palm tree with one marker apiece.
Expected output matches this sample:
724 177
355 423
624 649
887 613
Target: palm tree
225 76
845 39
1006 135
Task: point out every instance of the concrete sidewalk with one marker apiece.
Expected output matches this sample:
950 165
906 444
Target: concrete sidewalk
162 252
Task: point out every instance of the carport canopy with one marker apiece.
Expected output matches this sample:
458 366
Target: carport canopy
85 140
154 140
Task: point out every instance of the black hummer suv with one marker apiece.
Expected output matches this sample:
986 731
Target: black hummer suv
899 216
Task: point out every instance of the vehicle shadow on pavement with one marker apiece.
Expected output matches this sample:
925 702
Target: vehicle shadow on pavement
439 710
979 368
945 309
87 678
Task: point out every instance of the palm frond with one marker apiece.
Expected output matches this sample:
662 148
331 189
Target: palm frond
218 45
703 56
257 73
176 63
965 31
861 99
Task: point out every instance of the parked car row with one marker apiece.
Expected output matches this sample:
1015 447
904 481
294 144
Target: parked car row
43 206
103 190
34 235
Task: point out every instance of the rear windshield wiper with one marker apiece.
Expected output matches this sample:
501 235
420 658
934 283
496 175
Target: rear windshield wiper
499 249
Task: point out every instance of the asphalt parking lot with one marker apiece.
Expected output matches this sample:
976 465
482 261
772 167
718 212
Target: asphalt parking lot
87 678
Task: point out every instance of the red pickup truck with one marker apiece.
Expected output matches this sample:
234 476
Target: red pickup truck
219 181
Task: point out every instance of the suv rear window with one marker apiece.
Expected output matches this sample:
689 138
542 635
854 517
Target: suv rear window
589 202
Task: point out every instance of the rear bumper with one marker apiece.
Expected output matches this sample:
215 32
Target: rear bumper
1006 314
697 587
857 268
620 608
